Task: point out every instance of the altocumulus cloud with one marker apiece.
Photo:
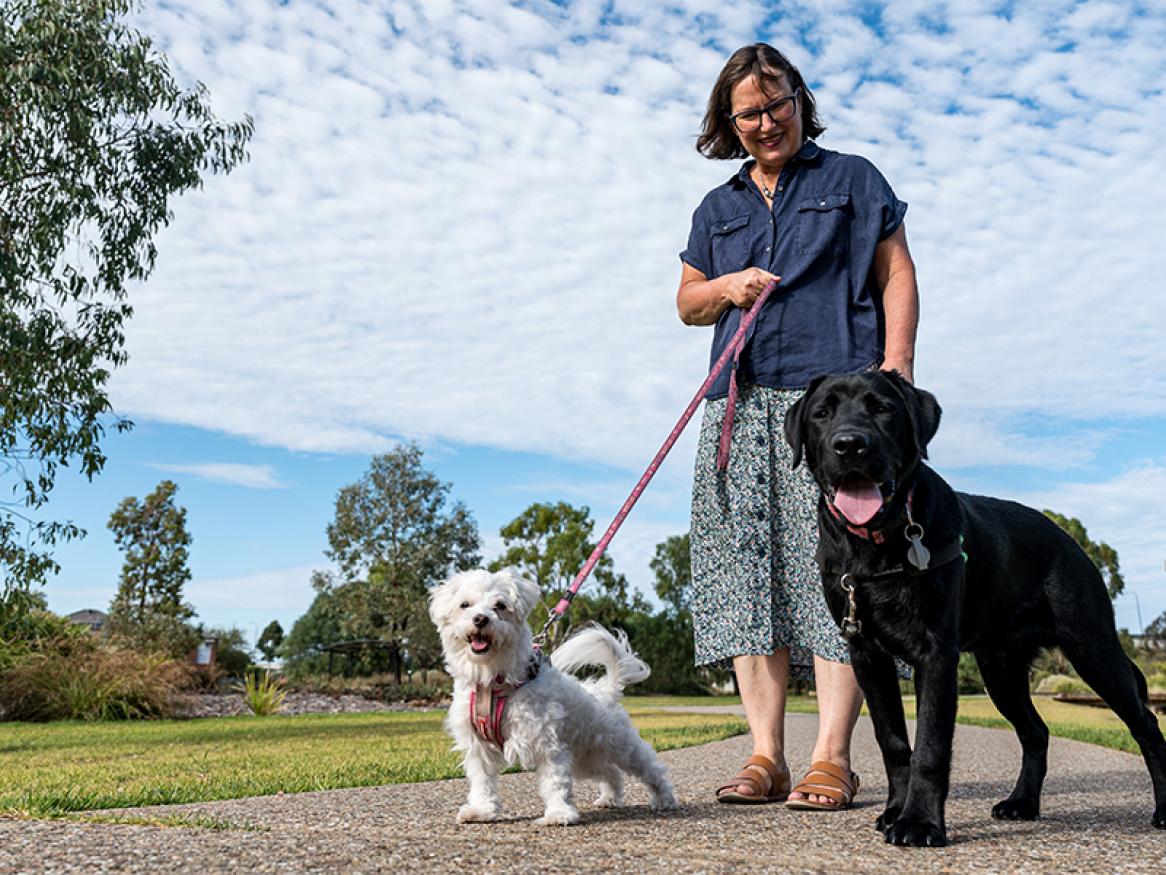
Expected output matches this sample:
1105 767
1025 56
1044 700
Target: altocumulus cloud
461 219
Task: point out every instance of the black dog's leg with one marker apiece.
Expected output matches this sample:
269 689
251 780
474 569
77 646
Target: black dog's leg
1104 666
1006 677
875 671
921 823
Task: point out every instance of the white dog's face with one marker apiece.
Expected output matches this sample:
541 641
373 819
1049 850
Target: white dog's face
481 617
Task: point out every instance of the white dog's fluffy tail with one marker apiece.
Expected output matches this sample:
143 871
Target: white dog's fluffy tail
594 645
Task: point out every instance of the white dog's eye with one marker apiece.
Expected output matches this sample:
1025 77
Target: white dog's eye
501 606
464 605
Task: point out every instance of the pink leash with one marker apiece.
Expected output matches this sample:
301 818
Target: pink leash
733 350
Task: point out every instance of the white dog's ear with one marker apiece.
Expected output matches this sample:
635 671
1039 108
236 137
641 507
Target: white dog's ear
524 592
443 601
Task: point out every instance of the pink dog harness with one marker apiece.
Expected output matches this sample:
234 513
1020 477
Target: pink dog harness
488 704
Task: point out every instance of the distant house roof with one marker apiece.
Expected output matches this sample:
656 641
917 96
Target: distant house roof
89 617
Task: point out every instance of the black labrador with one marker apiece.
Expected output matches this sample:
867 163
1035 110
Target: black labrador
913 569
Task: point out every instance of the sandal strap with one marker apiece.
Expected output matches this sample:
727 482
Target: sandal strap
755 768
826 779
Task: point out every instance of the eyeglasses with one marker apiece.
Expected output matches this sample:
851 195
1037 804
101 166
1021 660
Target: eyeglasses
781 110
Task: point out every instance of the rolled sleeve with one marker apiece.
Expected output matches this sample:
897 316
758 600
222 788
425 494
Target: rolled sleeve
698 253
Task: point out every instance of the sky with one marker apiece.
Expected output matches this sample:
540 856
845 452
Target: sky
459 226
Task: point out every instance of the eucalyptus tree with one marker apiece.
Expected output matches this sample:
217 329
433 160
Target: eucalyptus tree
96 140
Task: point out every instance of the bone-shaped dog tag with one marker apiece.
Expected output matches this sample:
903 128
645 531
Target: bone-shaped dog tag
918 555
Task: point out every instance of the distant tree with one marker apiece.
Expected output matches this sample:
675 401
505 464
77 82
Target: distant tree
550 543
1101 554
397 521
270 639
396 534
148 612
319 626
96 139
665 639
672 565
1156 631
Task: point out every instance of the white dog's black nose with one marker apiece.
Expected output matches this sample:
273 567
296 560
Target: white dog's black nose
849 443
480 620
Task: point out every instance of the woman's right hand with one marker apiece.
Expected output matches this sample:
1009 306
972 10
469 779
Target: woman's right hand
745 286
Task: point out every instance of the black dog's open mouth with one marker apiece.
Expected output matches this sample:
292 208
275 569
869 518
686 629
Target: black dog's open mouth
859 499
480 643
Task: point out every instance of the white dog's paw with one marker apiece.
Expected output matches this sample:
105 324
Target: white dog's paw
558 817
477 814
664 801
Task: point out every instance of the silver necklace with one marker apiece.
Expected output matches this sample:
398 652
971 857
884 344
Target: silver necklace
766 190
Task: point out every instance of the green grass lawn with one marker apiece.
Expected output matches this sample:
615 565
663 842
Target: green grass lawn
57 768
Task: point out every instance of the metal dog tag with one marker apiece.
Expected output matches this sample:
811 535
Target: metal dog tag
850 628
918 555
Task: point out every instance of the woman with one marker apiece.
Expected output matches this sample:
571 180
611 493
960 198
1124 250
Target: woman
831 226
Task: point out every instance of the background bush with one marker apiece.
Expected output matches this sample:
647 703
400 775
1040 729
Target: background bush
71 676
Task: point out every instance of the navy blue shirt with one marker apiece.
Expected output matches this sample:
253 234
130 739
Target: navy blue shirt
830 211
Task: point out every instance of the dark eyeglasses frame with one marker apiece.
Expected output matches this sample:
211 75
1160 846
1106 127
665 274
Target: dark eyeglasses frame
770 110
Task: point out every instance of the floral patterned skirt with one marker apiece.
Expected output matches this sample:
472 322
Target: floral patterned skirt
754 535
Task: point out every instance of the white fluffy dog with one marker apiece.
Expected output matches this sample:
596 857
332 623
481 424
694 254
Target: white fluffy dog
507 707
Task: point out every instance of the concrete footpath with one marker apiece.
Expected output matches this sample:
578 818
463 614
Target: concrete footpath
1096 818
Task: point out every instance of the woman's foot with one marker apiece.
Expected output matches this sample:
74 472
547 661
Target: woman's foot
826 787
760 780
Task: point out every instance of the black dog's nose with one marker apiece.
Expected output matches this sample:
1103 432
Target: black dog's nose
480 620
849 443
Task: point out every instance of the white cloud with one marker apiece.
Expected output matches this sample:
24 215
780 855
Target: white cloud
460 220
250 476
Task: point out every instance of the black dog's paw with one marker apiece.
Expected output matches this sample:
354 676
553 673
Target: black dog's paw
916 834
1016 809
1160 816
887 819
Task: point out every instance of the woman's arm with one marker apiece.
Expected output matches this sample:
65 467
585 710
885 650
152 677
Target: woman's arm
894 273
701 301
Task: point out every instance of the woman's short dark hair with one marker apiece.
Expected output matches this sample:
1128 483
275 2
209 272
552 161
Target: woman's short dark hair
718 139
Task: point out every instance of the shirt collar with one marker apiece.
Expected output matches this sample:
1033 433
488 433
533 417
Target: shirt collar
809 151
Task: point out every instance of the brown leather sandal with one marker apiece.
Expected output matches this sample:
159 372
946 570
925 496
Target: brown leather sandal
825 779
764 778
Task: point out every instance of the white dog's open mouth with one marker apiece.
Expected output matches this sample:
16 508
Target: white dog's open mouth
480 643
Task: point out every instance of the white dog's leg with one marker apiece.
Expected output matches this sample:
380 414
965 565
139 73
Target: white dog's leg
610 788
554 785
483 803
643 763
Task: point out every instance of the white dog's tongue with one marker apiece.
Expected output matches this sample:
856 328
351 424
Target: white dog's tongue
859 503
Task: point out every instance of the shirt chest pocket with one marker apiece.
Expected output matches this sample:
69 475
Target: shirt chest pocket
823 225
731 248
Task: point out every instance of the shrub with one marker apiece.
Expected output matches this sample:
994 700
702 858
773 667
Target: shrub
75 679
263 695
1062 683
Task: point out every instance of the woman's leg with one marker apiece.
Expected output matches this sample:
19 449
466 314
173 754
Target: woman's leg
839 701
762 681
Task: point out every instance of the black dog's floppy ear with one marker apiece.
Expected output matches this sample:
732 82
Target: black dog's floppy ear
922 408
795 421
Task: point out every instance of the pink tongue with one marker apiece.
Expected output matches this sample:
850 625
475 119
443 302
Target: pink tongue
479 644
859 504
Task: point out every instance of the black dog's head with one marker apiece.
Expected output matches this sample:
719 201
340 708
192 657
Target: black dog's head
862 435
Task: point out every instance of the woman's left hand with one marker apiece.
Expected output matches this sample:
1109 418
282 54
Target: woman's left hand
904 367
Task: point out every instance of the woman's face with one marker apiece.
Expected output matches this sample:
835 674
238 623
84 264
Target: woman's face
772 144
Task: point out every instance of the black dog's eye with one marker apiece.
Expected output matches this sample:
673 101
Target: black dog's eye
501 606
465 605
820 412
